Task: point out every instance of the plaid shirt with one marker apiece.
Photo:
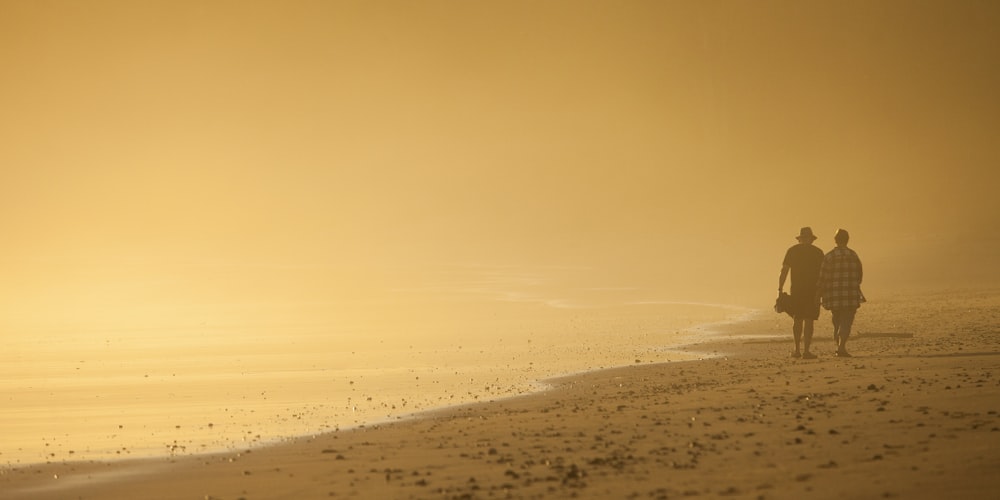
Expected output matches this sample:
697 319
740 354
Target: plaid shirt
840 279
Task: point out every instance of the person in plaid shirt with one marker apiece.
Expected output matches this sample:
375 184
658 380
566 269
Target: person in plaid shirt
839 288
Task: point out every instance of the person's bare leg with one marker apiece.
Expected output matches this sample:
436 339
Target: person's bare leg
836 327
807 335
797 333
846 323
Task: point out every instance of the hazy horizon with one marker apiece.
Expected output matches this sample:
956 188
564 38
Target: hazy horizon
176 161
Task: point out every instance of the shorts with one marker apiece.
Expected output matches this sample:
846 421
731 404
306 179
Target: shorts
804 306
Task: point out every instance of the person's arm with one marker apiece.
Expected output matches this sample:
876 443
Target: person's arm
785 267
824 269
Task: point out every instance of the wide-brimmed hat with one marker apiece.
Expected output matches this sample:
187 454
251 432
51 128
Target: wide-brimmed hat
806 233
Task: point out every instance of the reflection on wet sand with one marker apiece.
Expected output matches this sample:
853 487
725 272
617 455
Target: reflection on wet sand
86 394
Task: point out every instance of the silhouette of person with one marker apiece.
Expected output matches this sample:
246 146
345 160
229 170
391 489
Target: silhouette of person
839 287
804 261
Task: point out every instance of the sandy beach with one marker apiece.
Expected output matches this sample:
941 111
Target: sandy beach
914 414
509 249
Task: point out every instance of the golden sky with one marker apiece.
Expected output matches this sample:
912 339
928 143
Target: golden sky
675 143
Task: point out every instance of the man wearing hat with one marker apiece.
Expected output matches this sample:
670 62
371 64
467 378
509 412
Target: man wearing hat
839 287
804 261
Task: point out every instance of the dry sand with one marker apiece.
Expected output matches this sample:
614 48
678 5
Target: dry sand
908 417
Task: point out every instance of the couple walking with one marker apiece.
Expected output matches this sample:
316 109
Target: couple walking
834 278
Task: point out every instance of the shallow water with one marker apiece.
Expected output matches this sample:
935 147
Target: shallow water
90 391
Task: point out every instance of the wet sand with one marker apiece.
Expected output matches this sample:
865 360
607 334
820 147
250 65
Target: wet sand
85 395
914 414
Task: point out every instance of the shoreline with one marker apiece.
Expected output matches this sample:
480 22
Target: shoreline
171 413
527 379
92 473
907 417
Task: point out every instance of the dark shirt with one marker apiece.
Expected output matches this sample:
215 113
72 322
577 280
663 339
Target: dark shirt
805 261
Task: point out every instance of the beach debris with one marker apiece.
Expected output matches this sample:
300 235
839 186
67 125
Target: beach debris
574 475
732 490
